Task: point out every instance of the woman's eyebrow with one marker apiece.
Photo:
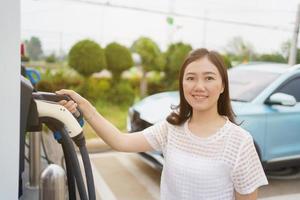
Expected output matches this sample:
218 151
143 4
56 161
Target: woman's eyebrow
190 73
207 73
204 73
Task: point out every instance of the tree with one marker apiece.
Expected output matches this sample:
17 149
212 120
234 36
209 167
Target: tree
239 50
34 48
285 48
227 61
298 56
51 58
118 59
87 57
175 55
274 57
151 58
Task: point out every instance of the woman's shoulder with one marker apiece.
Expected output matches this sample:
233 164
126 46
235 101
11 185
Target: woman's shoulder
238 133
169 125
164 124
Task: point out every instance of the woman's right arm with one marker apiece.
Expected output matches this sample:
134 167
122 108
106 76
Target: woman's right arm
133 142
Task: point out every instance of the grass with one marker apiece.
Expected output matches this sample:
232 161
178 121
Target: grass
116 114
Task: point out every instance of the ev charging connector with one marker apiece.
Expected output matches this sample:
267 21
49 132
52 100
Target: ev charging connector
56 111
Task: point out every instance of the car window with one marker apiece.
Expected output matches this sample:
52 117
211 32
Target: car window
246 84
292 88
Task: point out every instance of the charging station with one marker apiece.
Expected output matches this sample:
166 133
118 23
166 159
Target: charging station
24 113
51 181
9 97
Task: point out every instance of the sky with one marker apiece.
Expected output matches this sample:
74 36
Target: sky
59 24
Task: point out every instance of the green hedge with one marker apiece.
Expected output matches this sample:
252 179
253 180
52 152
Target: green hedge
87 57
95 89
52 81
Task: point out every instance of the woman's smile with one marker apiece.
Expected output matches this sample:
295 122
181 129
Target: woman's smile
199 97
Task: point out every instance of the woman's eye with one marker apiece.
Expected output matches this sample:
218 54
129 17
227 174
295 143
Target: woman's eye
210 78
190 78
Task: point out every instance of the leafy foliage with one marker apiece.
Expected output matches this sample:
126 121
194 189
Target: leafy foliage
298 56
34 48
175 56
119 93
240 50
87 57
51 58
227 61
63 78
275 57
122 93
25 59
118 58
95 89
151 56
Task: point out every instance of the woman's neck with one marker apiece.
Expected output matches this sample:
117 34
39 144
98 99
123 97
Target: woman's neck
206 117
206 123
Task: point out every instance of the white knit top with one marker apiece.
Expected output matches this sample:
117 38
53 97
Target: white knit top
211 168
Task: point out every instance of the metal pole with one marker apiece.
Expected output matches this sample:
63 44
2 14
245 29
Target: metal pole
52 184
34 159
293 50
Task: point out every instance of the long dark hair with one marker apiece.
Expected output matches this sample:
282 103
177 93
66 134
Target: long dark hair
184 111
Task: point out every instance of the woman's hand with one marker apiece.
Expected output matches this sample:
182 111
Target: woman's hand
72 104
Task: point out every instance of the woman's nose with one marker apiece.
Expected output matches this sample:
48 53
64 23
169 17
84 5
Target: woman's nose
199 85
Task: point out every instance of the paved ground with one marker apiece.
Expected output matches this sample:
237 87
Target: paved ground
125 176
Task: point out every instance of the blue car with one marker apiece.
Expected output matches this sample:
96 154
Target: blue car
265 98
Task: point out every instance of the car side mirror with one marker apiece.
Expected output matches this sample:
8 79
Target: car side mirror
282 99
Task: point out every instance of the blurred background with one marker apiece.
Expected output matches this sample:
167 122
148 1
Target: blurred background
115 52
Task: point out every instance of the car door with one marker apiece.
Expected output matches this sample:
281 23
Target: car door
283 125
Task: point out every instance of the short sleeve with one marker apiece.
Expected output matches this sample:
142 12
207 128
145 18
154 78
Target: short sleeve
248 173
156 135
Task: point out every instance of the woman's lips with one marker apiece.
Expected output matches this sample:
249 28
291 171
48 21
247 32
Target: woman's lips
199 97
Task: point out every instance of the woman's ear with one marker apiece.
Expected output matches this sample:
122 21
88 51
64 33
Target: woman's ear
222 90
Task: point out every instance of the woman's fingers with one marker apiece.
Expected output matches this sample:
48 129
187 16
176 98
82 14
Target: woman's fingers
75 96
62 102
73 108
69 104
70 93
63 91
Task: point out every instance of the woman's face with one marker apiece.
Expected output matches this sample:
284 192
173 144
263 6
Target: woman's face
202 85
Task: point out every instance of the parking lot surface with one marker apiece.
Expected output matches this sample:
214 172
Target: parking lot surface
126 176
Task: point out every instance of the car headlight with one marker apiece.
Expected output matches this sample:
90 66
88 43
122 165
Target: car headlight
134 122
129 119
